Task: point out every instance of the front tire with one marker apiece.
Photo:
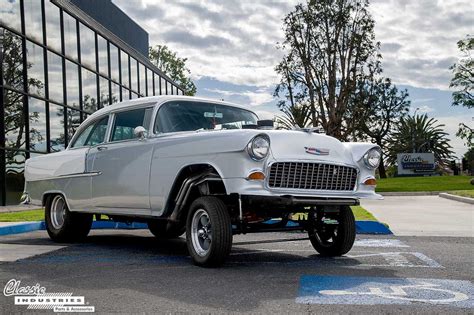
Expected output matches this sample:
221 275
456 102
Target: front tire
208 232
63 225
329 240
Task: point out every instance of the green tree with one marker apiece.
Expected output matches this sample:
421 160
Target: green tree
463 79
173 66
463 82
381 106
329 46
420 134
294 116
469 156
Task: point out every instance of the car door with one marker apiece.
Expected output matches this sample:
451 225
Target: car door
124 164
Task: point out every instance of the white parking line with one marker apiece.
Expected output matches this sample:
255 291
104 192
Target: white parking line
375 242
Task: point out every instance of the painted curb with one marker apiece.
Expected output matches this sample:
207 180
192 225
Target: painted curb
372 227
457 198
362 227
21 228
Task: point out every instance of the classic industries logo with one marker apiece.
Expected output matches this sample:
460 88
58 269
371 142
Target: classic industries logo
36 297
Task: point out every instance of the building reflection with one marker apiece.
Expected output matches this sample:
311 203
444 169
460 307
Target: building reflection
57 69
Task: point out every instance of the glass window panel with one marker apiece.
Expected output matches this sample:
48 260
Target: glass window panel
157 84
33 19
115 93
35 68
133 74
56 127
14 120
14 168
73 122
104 92
72 84
10 13
70 36
142 76
89 91
103 59
149 78
53 26
93 134
37 112
55 77
114 62
125 94
124 66
12 61
125 123
87 38
163 86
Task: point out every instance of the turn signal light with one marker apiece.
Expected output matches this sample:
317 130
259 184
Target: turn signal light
256 176
370 182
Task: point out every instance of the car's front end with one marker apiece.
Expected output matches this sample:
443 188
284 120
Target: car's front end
303 165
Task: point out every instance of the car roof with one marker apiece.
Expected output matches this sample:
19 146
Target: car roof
158 100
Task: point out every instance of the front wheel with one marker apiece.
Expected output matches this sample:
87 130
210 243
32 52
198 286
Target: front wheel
63 225
208 232
333 235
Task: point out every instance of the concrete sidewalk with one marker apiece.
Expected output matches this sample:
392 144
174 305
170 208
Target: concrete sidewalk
423 215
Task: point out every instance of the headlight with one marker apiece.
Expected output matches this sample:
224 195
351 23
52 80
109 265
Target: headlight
372 158
258 147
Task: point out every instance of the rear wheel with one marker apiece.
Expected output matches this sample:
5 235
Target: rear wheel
208 232
163 230
333 235
63 225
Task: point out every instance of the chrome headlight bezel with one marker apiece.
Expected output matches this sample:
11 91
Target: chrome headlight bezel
370 156
259 147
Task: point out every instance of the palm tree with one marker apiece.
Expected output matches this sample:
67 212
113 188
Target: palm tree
297 115
420 134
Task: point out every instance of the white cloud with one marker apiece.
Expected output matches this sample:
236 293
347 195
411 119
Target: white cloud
259 97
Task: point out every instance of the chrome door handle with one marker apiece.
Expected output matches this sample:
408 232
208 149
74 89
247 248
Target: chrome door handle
101 148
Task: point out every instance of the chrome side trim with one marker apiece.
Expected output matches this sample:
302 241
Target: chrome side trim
86 174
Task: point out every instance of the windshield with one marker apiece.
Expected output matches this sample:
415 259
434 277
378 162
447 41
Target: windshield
189 116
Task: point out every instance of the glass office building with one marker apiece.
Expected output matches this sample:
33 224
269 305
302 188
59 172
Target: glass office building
58 65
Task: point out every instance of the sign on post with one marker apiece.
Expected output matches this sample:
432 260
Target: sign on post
415 163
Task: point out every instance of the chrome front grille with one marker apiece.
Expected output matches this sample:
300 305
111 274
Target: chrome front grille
312 176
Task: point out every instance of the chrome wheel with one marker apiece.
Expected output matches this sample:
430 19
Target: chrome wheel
58 212
201 232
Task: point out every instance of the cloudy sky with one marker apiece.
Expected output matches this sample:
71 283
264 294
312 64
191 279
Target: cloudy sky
230 46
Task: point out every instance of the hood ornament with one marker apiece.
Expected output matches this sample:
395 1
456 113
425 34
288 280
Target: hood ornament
316 151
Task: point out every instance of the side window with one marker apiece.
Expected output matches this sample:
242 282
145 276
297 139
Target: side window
93 134
126 122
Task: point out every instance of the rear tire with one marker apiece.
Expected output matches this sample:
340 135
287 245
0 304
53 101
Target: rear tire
208 232
161 229
63 225
334 241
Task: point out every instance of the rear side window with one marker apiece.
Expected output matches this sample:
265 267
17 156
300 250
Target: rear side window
93 134
126 122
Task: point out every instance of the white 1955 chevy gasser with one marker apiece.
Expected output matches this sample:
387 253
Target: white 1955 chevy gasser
207 168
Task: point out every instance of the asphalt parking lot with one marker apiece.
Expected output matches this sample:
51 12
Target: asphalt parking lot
120 271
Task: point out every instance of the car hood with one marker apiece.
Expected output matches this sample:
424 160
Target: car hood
284 144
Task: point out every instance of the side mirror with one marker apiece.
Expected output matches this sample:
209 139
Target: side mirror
140 132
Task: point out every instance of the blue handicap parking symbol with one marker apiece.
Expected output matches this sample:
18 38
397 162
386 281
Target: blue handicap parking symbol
379 290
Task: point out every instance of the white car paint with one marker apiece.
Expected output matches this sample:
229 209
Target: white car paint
135 177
